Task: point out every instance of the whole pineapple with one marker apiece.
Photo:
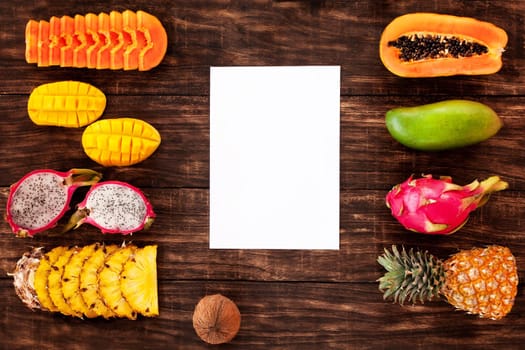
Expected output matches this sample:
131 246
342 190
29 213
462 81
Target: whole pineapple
481 281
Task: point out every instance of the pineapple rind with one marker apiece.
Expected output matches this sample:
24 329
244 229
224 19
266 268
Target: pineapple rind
71 281
89 281
55 283
139 281
482 281
109 282
41 278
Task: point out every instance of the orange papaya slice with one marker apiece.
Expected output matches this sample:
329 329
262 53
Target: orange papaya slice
117 36
136 40
56 41
120 141
104 52
118 40
32 41
79 51
43 44
67 30
70 104
156 40
432 45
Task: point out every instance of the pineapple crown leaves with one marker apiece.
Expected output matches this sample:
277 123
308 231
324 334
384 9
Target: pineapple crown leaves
412 276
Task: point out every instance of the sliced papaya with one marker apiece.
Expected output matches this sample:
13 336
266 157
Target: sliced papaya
66 103
120 141
432 45
118 40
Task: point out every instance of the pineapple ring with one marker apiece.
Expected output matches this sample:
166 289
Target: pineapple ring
41 278
109 282
71 281
138 281
54 283
89 281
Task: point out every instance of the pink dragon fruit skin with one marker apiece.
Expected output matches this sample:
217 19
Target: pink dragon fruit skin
41 198
114 207
438 206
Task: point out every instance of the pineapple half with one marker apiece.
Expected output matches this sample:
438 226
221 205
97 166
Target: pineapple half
93 281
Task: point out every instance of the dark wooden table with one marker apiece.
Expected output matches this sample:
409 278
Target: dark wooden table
288 299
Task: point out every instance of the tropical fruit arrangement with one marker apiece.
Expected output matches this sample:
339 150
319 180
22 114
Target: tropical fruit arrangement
108 281
118 40
481 281
92 281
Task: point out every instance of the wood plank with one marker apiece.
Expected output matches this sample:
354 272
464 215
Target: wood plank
181 231
370 158
273 316
215 33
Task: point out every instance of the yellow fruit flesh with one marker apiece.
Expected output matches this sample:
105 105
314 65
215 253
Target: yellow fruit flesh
66 103
71 281
109 284
139 281
42 275
55 283
482 281
120 141
89 281
96 280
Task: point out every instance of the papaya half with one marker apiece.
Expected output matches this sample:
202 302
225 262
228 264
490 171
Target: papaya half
116 40
420 45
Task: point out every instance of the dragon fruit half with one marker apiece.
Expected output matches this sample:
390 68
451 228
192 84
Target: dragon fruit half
437 206
39 199
113 207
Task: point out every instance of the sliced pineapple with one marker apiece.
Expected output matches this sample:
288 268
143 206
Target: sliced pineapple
54 282
71 281
138 281
109 282
42 275
89 280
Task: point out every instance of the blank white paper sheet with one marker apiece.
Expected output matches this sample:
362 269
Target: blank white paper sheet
274 157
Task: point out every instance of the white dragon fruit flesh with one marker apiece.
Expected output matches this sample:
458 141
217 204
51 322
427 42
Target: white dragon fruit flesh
438 206
114 207
41 198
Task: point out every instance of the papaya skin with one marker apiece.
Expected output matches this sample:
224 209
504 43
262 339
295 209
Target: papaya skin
464 28
442 125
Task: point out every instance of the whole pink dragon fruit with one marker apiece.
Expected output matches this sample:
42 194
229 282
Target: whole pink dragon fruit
39 199
437 206
113 207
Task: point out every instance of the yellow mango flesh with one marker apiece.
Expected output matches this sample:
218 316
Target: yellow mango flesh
120 141
70 104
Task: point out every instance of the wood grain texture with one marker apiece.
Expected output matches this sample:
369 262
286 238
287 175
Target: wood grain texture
288 299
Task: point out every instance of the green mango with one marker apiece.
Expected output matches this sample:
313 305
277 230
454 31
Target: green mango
442 125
